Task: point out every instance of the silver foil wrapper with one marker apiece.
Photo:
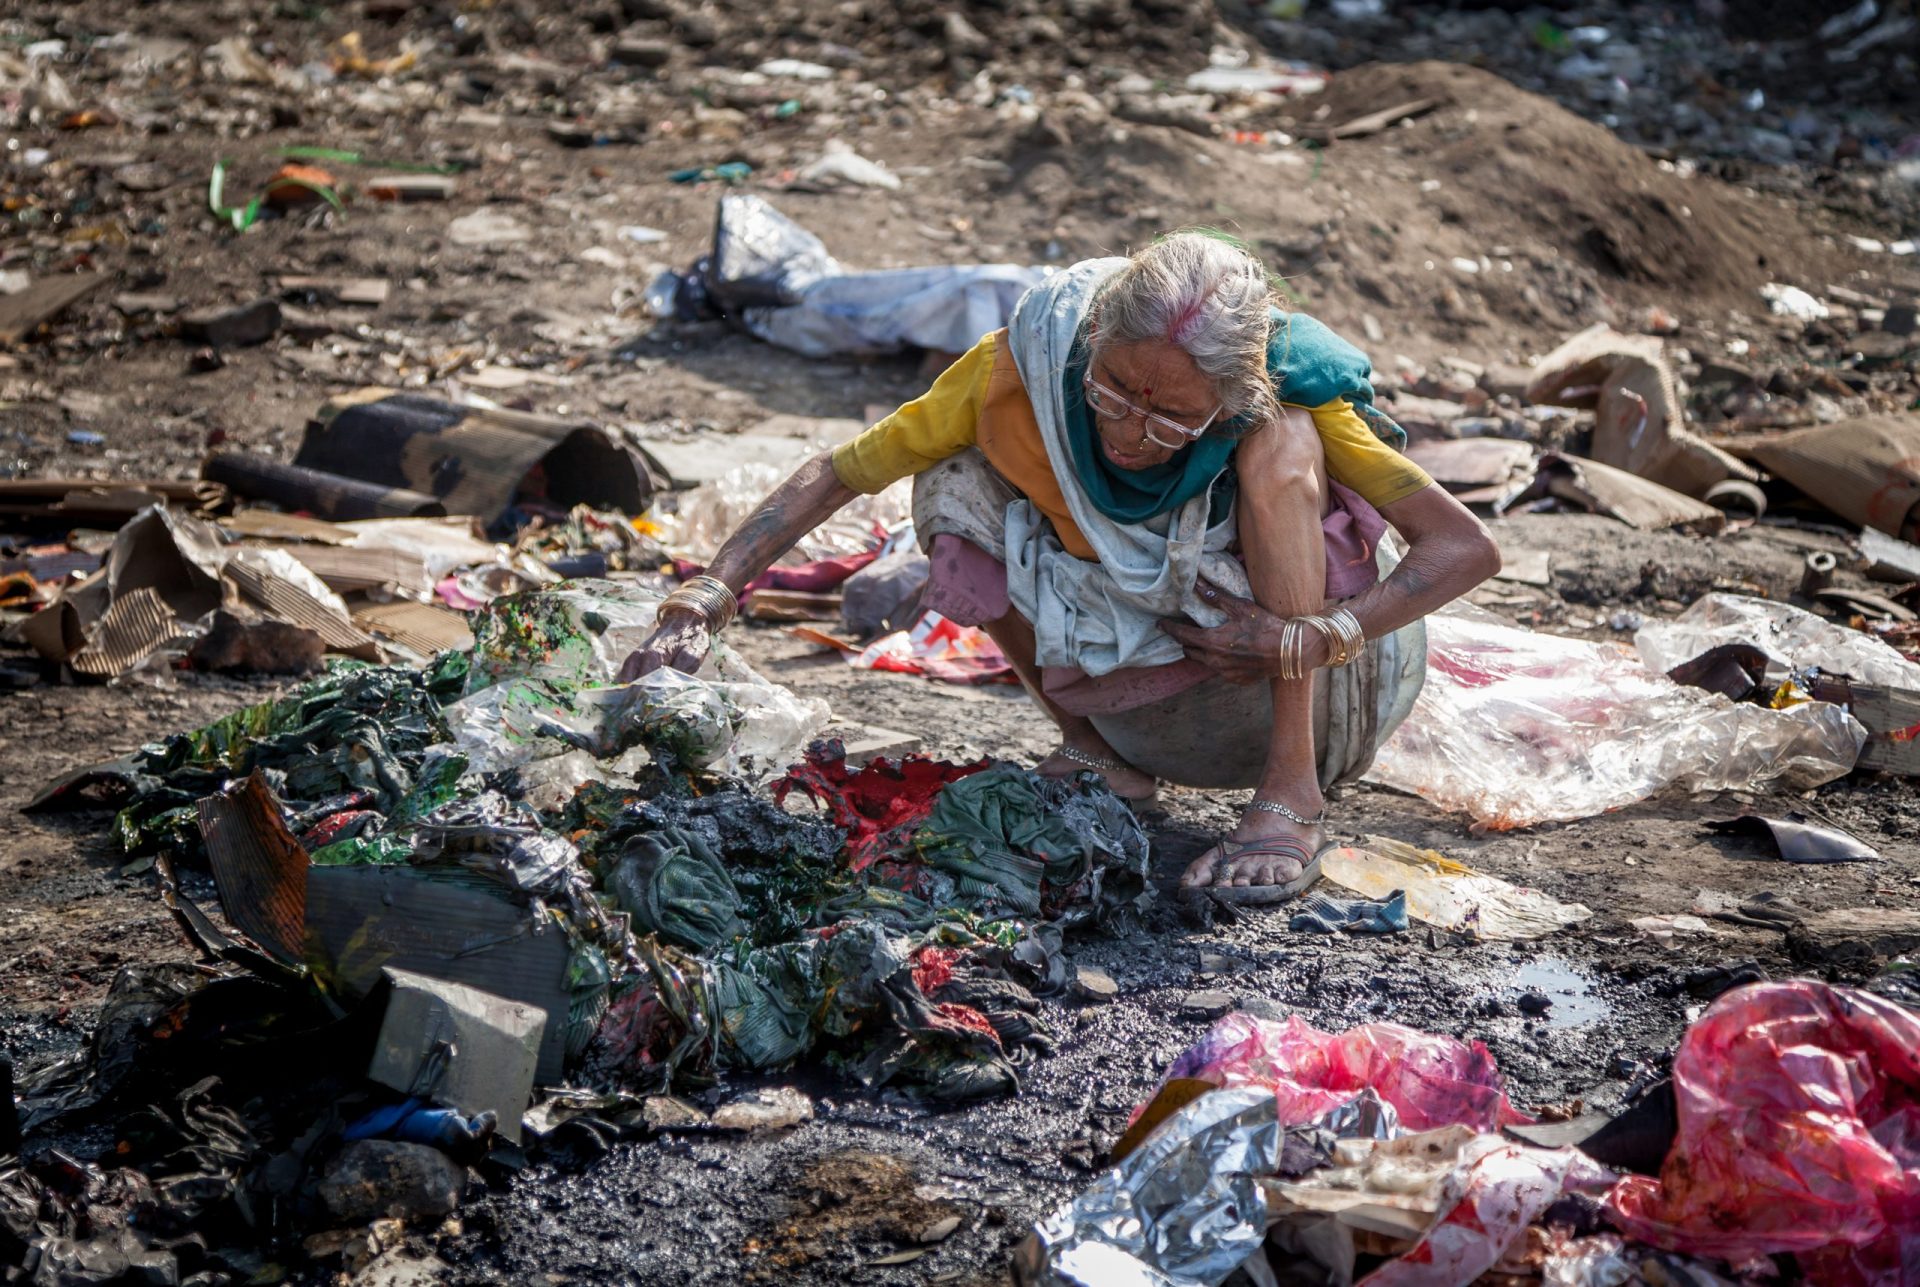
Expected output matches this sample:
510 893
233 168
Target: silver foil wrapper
1185 1209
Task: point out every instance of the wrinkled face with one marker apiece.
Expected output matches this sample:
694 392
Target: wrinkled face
1156 375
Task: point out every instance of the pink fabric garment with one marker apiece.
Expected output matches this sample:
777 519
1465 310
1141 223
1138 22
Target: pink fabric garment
968 585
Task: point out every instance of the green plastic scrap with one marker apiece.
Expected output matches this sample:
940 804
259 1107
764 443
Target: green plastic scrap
343 156
241 217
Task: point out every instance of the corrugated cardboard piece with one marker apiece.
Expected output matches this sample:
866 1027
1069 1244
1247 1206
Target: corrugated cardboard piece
1638 416
474 460
424 628
166 577
258 865
1866 470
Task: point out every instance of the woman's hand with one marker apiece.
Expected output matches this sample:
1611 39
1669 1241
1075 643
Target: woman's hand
1246 648
680 640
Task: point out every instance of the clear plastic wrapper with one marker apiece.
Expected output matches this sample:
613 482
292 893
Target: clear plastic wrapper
1799 1132
1794 639
706 515
1517 728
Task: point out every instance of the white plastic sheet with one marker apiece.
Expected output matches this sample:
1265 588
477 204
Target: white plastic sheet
1517 728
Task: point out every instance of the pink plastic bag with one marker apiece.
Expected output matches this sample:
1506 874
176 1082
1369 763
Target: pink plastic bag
1431 1081
1799 1112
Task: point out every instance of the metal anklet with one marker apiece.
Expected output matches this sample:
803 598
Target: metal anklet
1274 806
1091 761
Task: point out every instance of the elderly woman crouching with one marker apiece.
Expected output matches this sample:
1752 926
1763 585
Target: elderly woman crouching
1164 498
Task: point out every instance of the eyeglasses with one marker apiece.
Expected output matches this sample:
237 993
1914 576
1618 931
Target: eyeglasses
1109 405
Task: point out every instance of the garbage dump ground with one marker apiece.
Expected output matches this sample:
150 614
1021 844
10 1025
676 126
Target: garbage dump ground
225 225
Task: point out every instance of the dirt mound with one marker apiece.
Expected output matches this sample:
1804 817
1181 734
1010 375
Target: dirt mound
1494 221
1512 164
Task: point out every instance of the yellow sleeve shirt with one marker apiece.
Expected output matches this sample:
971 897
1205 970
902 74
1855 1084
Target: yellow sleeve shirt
941 422
944 421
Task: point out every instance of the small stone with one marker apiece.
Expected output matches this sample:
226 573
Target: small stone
1094 985
1901 319
375 1179
1264 1008
765 1110
938 1230
642 51
697 30
1206 1005
200 361
237 327
1534 1003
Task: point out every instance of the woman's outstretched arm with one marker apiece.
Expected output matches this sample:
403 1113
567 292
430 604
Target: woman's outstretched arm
807 499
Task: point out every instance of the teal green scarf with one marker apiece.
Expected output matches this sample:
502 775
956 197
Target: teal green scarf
1309 366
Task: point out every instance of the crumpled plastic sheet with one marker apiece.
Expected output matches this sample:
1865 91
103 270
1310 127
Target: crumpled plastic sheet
543 684
1799 1132
706 515
1439 891
778 280
1430 1080
1185 1209
1517 728
1794 639
1498 1190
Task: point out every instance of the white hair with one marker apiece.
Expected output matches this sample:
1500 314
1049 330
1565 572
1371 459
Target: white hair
1210 298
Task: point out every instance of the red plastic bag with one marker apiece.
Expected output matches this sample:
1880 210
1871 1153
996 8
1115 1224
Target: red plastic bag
1799 1131
1431 1081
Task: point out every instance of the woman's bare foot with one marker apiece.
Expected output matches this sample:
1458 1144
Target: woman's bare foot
1126 782
1276 850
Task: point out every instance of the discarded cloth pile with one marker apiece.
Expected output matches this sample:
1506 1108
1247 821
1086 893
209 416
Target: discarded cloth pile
1392 1157
513 873
710 929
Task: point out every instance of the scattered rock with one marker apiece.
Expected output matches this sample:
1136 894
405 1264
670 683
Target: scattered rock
372 1179
1534 1004
642 51
1090 984
1206 1005
1901 319
232 328
1854 936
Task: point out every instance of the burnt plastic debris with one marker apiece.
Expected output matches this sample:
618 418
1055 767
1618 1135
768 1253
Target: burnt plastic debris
474 460
334 497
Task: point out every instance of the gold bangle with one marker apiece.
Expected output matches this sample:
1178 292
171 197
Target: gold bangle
1354 636
1328 633
708 596
1289 637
